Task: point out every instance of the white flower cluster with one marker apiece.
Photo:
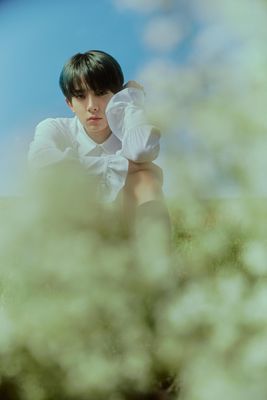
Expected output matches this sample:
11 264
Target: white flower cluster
77 295
142 5
89 313
206 89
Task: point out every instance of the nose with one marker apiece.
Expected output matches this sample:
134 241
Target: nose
92 104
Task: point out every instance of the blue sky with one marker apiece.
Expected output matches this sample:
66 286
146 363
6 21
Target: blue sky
36 38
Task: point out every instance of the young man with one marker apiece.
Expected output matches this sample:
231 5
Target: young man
109 134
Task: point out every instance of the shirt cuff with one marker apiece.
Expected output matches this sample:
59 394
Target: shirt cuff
125 109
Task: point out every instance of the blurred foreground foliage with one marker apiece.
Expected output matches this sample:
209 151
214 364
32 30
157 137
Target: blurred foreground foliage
89 312
78 296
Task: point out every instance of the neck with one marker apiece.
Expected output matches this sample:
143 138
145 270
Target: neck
99 137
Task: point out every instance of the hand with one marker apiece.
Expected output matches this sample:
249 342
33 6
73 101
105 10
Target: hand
135 167
145 166
133 84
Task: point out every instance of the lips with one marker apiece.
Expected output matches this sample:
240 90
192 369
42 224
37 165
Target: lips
94 119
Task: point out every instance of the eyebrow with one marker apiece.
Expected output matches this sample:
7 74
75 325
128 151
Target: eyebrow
79 91
83 91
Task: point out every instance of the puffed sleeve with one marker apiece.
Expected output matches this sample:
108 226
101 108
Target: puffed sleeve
50 146
127 120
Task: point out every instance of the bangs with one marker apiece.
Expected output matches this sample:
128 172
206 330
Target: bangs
90 73
85 78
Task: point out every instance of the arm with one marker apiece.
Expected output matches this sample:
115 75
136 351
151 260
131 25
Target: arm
50 146
146 166
53 146
127 120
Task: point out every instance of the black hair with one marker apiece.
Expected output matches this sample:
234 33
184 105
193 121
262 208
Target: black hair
94 70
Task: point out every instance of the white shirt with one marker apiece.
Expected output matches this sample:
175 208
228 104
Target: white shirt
132 138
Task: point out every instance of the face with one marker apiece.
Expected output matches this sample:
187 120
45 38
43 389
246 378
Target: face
90 108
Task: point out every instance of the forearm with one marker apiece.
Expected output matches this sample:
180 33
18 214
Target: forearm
155 170
141 144
128 121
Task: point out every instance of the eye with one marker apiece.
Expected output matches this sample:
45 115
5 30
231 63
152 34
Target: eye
79 95
101 92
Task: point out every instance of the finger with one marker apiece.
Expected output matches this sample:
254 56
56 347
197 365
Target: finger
134 84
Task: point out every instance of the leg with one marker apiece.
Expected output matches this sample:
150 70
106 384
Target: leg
143 200
142 186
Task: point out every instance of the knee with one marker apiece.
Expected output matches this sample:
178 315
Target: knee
148 179
144 186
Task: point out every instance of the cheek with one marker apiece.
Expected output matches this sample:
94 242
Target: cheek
106 100
74 105
79 108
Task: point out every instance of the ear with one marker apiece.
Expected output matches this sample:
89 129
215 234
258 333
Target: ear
69 104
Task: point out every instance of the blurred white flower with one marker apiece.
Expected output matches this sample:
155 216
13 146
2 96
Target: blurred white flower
255 257
242 16
141 5
108 313
6 330
254 353
255 307
164 33
213 44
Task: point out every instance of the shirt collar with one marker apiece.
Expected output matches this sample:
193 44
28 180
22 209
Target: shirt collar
112 144
87 145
